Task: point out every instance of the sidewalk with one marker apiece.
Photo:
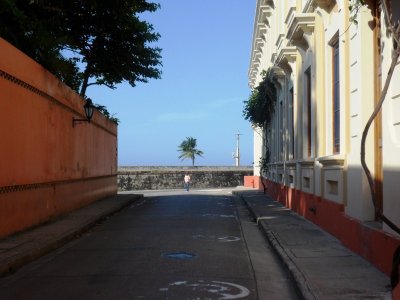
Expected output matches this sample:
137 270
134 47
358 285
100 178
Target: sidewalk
25 247
320 266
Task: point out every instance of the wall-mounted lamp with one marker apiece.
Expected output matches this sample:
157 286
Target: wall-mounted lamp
89 109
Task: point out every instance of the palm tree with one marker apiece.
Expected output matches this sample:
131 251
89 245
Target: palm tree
188 149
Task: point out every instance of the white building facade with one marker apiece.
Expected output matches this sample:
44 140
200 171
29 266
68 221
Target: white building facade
329 74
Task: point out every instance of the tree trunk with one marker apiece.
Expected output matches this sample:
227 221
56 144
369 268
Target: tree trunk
85 80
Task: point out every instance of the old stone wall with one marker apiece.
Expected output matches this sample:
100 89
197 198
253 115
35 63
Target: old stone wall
155 178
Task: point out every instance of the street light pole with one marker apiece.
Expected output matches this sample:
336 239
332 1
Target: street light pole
237 154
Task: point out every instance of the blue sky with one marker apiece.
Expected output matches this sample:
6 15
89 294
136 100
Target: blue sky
206 53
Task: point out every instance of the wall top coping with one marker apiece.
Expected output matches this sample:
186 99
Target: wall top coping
40 81
184 168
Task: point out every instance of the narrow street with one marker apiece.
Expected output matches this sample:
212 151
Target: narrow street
172 245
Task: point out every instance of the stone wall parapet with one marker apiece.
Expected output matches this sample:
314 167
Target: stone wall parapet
167 177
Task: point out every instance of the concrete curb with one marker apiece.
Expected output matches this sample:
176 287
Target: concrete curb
318 264
42 243
303 289
297 276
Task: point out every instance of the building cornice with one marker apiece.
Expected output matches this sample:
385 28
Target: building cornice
259 44
284 53
312 4
279 41
288 53
273 57
264 9
279 76
290 15
300 23
256 60
265 13
268 3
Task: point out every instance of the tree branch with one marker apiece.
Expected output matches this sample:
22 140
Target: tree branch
101 83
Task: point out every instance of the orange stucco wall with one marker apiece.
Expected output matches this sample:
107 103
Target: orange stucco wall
252 182
374 245
47 166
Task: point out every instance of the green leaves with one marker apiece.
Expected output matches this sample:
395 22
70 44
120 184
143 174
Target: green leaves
113 42
188 149
354 7
260 107
103 110
106 41
37 30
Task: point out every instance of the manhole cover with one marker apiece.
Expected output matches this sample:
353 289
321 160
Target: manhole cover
179 255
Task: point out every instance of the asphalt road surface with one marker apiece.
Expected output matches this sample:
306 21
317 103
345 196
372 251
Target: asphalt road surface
169 245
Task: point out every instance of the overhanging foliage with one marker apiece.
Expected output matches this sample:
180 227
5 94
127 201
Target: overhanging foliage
85 43
260 107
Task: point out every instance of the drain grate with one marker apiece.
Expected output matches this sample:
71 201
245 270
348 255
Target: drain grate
179 255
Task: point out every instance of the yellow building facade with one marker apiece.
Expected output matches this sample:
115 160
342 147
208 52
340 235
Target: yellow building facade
329 73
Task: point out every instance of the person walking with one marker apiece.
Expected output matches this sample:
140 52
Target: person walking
186 180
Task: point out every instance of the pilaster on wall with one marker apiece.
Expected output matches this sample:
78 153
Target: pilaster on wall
258 149
320 52
362 90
